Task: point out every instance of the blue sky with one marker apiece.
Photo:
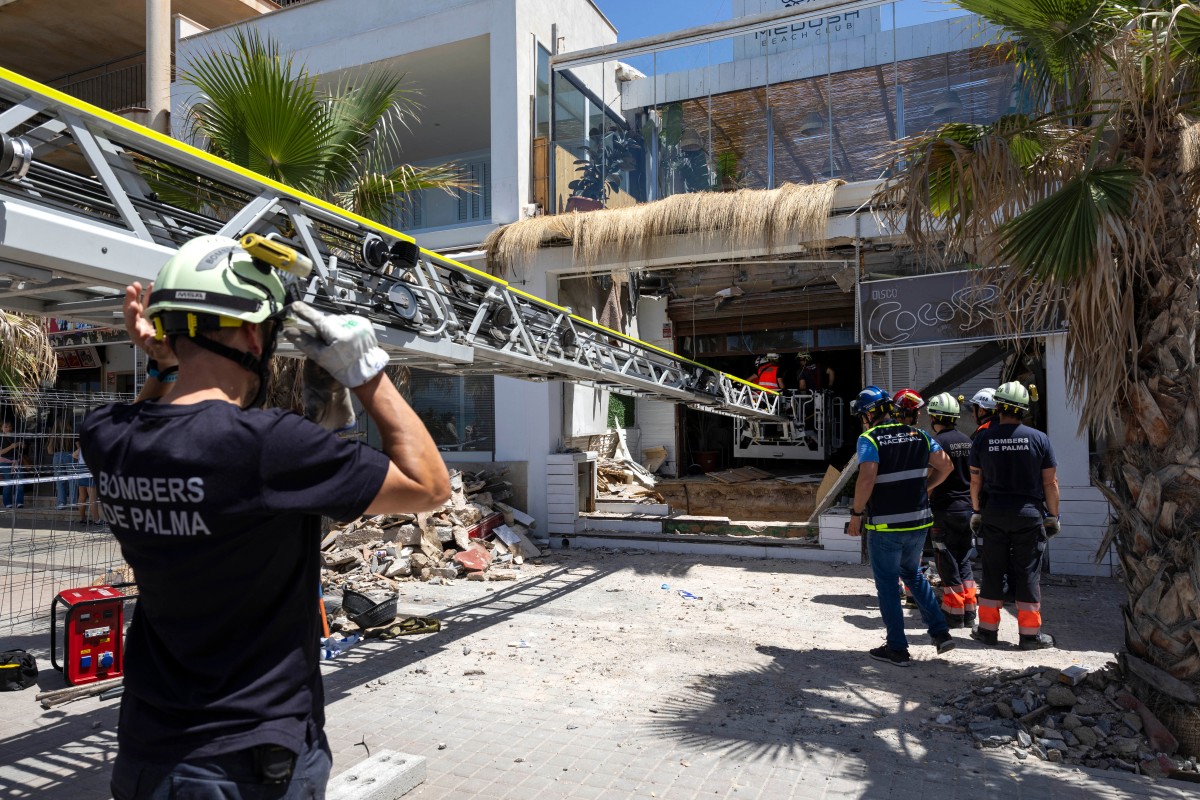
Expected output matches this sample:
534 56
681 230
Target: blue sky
637 18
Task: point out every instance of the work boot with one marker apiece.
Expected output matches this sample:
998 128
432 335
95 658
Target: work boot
944 642
969 619
989 638
1039 641
956 621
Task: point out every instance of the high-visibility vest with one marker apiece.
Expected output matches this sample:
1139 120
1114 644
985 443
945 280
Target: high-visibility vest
900 502
768 376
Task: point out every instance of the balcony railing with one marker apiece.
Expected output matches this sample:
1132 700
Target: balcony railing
114 86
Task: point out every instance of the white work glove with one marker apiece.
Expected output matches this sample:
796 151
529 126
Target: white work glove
976 523
1052 526
326 402
344 344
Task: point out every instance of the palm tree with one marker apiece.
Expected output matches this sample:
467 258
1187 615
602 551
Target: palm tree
1089 202
259 110
27 360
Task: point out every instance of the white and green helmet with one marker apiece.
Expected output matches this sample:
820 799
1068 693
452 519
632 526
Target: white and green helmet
1012 396
213 282
943 405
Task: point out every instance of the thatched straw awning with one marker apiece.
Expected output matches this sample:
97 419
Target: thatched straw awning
747 218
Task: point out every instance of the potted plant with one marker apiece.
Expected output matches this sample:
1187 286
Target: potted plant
599 169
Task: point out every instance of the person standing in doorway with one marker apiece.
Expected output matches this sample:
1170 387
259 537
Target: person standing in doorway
811 377
953 546
1015 465
898 464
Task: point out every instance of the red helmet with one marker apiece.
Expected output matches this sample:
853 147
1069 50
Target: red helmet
907 401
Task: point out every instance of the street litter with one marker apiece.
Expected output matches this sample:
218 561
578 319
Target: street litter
686 595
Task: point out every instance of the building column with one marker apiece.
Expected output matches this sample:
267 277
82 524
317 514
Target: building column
1084 510
158 65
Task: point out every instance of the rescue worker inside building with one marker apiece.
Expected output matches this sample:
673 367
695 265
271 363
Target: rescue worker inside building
897 465
811 377
953 545
766 372
1015 464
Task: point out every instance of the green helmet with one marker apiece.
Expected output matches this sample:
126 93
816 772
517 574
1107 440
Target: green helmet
1012 396
212 282
943 405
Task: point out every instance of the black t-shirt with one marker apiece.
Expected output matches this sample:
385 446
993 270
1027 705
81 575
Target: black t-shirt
1012 457
811 375
954 494
218 510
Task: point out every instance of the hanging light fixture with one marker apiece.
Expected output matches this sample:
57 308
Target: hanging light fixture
949 105
812 123
690 141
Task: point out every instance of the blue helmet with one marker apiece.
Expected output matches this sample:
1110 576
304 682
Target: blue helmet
871 399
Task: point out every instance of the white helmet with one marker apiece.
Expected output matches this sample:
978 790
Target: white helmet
985 398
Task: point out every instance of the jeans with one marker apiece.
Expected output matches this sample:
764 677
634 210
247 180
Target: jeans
898 555
231 776
64 465
12 471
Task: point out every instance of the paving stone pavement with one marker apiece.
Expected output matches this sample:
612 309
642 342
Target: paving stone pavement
627 691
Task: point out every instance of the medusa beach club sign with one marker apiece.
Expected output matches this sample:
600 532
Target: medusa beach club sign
941 308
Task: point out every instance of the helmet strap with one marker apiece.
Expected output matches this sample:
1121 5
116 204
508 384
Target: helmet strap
258 365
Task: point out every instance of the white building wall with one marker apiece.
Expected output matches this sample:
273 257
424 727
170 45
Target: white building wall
656 418
1085 512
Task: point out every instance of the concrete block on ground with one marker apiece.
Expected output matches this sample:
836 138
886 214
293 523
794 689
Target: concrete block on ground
387 775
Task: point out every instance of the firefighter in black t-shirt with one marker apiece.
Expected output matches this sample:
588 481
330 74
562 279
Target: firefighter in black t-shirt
1015 464
950 500
204 489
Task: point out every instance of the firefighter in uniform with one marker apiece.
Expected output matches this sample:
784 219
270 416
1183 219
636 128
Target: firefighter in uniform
766 373
953 547
1015 464
983 406
891 495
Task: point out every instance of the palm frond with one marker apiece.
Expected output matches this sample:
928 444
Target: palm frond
382 195
1061 236
27 360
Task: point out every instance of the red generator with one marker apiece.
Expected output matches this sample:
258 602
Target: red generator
93 633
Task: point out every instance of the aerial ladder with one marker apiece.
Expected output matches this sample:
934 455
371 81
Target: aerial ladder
90 201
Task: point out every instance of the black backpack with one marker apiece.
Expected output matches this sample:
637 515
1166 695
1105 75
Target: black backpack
18 670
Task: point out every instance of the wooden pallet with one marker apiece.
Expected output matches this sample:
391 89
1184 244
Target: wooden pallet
740 475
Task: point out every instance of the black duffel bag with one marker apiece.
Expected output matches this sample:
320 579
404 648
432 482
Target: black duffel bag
18 670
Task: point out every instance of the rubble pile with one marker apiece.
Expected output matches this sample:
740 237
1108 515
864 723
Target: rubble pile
1070 716
474 535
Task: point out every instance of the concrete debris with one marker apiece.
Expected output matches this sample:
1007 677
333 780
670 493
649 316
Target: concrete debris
1072 716
469 536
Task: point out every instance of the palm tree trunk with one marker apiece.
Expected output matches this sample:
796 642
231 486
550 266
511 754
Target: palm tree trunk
1156 470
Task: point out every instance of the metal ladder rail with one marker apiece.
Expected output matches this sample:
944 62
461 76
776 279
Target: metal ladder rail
513 331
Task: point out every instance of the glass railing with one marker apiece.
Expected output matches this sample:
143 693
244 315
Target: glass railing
809 99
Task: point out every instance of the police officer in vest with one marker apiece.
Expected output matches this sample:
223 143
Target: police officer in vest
898 464
953 546
1015 464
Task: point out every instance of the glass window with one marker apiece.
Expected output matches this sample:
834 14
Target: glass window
541 124
458 410
841 336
